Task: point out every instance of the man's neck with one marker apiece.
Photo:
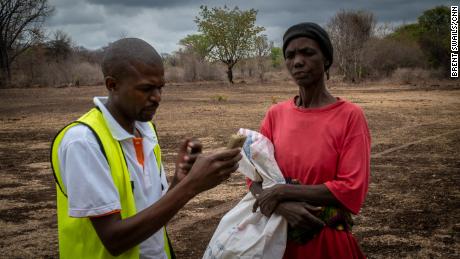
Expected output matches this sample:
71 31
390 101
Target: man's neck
125 123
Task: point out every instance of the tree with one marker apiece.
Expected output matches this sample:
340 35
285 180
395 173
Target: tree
60 47
382 56
276 56
349 31
231 33
431 34
434 39
262 49
198 44
90 56
20 24
169 59
407 33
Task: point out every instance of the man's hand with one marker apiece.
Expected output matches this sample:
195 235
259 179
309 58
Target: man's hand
210 170
300 215
188 152
268 200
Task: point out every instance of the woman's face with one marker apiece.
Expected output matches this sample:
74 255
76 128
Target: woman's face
305 61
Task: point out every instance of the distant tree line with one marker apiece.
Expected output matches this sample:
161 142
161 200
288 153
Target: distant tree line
56 61
20 28
363 49
228 42
29 58
361 52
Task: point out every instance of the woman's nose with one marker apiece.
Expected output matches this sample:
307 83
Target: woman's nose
298 61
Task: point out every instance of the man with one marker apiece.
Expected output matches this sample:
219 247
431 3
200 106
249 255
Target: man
112 195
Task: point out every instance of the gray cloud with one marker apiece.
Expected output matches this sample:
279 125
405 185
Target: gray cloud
76 13
144 3
95 23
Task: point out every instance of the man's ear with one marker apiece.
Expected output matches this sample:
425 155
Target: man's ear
110 83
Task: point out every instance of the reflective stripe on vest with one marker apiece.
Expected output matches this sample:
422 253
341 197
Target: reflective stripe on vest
77 236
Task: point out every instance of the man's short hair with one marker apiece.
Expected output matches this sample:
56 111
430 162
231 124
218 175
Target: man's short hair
119 54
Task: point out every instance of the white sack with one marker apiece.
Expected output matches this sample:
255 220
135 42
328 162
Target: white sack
242 233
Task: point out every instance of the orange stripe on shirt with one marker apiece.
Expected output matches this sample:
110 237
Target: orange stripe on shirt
139 150
106 214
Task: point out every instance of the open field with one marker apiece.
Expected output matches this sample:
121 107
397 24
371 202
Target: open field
413 205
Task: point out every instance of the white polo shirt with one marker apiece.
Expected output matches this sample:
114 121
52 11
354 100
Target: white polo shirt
86 175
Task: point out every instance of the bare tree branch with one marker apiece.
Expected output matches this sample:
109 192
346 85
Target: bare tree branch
20 24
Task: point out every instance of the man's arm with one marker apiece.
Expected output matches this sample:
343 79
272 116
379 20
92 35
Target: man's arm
119 235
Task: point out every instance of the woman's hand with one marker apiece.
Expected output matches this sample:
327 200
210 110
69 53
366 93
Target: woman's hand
300 215
268 199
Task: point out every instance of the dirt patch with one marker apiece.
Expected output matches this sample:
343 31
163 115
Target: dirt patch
413 205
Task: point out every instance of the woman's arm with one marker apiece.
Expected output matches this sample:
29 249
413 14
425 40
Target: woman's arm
317 195
298 214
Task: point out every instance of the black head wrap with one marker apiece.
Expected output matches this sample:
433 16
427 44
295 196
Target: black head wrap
314 32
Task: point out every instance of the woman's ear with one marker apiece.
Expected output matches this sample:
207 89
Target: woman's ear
327 66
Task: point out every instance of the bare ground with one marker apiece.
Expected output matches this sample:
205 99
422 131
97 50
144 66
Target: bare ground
412 209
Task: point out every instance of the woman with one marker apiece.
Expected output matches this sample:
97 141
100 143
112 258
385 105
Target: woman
322 146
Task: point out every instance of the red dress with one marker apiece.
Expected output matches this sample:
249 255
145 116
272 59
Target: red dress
328 145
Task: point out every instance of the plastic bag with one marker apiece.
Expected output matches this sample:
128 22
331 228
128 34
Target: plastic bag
242 233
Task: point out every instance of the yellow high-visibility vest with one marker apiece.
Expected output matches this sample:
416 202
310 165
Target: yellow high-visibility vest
77 236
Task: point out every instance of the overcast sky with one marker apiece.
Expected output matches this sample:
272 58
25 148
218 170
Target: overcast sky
95 23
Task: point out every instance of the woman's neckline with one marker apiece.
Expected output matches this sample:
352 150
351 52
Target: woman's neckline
327 107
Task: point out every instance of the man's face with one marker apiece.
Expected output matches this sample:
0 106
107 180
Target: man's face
305 61
139 94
